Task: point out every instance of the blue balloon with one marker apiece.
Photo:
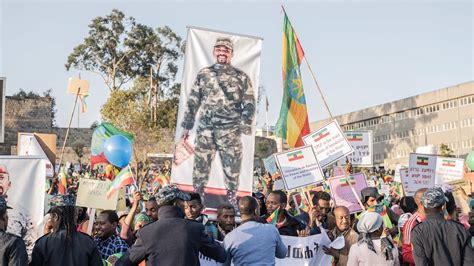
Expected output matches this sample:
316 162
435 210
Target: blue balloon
118 150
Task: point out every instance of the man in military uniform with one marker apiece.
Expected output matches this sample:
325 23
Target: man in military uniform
224 97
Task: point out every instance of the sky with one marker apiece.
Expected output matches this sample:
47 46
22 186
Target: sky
363 53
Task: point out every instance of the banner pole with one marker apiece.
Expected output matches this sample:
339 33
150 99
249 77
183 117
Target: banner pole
355 193
68 128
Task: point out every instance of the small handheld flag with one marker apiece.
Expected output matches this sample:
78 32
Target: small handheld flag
124 178
272 219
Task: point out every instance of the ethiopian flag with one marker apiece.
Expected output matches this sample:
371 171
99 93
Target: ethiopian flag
293 121
421 160
272 219
124 178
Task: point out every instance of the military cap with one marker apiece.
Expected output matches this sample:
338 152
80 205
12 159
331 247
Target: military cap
62 201
169 193
222 41
433 198
3 204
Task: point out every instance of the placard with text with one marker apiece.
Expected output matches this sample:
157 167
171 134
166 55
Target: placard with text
329 144
299 167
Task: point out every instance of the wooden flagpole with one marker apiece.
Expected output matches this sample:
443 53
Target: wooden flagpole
68 128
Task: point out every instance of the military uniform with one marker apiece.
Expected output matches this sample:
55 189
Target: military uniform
224 97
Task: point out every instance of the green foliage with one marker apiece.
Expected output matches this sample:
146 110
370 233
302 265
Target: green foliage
128 110
78 148
445 151
119 50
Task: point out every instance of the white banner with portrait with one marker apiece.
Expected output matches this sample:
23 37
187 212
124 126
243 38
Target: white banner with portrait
215 132
22 182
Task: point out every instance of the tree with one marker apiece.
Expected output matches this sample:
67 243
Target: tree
157 52
78 148
445 151
120 50
127 109
103 52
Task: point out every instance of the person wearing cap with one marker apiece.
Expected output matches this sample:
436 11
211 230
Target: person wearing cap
65 245
372 201
12 247
371 248
172 240
438 241
222 98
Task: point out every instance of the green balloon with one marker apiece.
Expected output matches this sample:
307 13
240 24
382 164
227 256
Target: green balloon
470 160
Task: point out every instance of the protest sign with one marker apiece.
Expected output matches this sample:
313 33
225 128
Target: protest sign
342 194
384 190
93 194
396 177
29 145
278 185
299 167
22 182
306 250
448 169
329 144
361 142
217 116
371 183
461 188
270 164
421 173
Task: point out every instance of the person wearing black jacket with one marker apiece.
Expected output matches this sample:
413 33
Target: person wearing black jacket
287 225
172 240
12 247
438 241
65 245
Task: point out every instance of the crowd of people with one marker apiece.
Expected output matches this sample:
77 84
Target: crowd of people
169 227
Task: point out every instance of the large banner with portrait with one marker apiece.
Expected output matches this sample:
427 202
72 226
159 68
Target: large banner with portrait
215 132
22 182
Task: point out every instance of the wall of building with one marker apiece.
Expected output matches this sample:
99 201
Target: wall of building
33 115
444 116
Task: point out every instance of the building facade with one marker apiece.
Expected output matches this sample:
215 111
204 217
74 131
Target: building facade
444 116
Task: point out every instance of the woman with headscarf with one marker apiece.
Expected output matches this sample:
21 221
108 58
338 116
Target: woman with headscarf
371 248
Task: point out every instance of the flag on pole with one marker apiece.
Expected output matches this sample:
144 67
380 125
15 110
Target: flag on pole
99 136
293 123
124 178
62 182
83 97
163 179
273 219
267 104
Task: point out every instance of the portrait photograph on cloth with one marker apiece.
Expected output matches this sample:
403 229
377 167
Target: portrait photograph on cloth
20 176
215 132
